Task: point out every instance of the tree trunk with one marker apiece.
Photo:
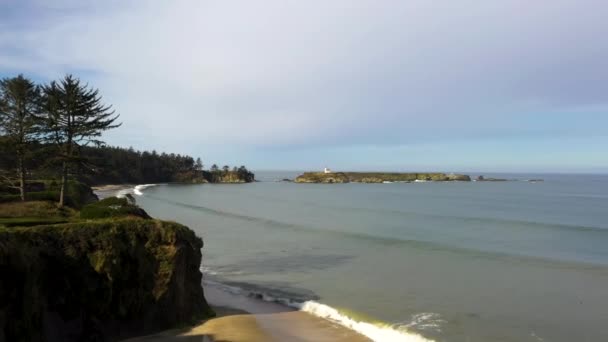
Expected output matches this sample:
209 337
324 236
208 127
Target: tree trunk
64 181
22 179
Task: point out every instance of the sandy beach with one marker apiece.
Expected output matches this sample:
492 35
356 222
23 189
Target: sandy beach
243 319
109 190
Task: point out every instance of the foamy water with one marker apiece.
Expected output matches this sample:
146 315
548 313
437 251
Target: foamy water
136 190
375 331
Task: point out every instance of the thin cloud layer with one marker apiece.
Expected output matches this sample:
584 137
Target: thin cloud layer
293 74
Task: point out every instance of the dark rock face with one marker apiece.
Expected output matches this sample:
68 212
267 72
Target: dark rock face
487 179
456 177
98 281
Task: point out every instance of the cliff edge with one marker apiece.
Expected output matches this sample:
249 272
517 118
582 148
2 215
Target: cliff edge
99 280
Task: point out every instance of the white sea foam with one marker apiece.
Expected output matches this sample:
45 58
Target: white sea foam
425 321
123 192
207 270
374 331
137 190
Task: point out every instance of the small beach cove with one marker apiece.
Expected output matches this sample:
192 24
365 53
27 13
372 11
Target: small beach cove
243 319
256 314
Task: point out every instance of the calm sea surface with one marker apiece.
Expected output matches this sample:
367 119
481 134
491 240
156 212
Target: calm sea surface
460 261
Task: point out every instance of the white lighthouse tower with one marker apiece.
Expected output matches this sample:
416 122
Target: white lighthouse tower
326 170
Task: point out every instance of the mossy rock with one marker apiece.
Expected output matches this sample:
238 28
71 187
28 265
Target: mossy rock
112 207
97 281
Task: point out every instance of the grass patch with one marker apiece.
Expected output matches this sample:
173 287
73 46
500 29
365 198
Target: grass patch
77 194
40 209
30 221
112 207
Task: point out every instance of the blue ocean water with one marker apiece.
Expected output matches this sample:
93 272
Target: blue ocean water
451 261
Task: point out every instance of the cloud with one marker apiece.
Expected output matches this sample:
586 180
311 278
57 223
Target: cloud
324 73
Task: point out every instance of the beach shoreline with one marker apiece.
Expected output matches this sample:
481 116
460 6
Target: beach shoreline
109 190
244 319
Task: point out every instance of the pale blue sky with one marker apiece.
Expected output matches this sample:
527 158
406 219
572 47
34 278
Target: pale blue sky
351 84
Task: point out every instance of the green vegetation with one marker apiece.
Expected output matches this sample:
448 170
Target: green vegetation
26 214
376 177
112 207
35 209
72 115
19 98
107 272
52 131
30 221
77 194
372 177
66 114
99 280
114 165
75 268
320 177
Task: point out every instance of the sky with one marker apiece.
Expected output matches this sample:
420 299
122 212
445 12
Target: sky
418 85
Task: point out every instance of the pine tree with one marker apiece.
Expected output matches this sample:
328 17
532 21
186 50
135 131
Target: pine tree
19 100
199 164
74 116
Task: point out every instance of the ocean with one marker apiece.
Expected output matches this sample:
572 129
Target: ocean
442 261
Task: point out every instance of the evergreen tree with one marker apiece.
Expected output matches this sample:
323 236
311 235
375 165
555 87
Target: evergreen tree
19 100
199 164
74 115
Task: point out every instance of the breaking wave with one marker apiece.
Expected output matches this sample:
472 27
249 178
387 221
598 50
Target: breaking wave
137 190
375 330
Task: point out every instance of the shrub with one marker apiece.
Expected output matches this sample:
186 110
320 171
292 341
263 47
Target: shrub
30 221
112 207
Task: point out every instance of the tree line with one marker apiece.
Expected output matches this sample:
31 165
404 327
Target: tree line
114 165
54 129
64 114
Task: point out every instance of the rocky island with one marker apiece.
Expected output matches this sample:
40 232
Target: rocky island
377 177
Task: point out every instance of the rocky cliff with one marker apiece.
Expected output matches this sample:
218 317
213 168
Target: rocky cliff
98 280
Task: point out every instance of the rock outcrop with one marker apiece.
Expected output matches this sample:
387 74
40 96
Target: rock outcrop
220 176
490 179
320 177
376 177
98 280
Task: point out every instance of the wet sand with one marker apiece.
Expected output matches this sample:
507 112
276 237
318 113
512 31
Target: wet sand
243 319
